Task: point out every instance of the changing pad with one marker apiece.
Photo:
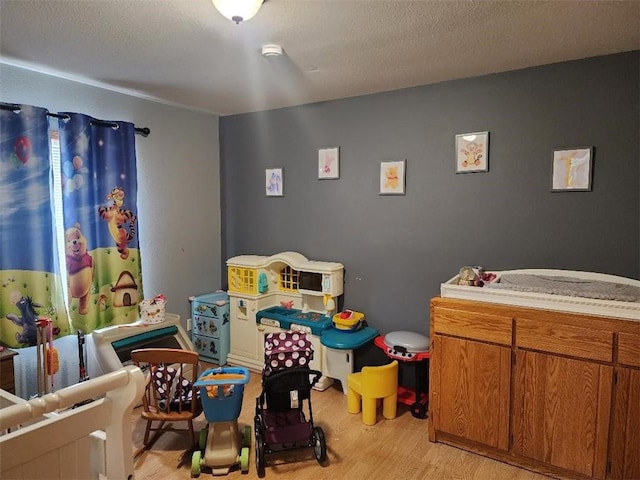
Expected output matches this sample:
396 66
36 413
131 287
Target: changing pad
571 286
562 290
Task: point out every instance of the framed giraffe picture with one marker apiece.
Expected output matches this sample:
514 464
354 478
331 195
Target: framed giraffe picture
572 170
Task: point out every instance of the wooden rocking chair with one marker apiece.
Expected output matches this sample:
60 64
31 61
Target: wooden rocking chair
169 394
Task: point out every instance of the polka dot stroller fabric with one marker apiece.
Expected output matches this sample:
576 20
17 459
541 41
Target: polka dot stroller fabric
286 350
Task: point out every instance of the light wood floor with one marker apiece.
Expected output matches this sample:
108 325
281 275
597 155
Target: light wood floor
390 449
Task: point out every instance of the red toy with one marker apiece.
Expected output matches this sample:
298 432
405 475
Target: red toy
410 348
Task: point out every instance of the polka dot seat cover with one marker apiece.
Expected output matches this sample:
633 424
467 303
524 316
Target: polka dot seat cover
286 350
171 386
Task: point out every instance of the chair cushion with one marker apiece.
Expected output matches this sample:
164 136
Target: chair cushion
170 385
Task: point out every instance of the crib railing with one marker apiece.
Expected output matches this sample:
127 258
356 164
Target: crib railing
54 436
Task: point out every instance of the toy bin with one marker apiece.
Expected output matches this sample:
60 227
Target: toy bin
348 321
153 310
221 392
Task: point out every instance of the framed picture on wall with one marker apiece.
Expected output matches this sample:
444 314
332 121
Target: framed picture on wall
329 163
572 170
392 177
472 152
274 182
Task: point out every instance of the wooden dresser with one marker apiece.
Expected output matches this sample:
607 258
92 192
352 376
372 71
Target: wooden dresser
555 392
7 376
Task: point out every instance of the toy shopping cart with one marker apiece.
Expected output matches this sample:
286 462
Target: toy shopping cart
221 446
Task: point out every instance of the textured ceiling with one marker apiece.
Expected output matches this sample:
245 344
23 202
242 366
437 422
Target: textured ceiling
184 52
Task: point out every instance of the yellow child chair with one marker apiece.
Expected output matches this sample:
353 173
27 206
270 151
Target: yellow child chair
373 383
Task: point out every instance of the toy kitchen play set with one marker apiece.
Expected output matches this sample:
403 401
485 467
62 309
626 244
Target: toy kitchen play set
282 292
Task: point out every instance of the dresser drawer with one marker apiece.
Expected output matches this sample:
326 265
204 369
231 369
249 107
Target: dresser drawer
565 339
7 379
213 305
207 326
207 347
473 325
629 349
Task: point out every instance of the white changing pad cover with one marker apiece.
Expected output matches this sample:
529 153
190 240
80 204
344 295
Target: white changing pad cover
571 286
564 290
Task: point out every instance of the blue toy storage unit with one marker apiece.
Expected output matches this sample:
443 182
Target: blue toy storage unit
210 330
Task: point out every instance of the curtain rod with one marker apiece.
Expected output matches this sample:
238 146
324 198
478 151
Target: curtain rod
144 131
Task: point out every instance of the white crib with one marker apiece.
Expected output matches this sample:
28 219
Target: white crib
45 438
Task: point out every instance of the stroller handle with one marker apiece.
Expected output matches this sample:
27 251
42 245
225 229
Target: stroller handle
282 373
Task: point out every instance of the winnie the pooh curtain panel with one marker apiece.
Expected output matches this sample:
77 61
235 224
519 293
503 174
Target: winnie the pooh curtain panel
30 282
77 263
99 191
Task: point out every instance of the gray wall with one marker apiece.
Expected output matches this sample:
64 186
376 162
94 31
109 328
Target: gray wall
397 250
178 179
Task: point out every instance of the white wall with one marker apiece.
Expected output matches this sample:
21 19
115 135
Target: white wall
178 179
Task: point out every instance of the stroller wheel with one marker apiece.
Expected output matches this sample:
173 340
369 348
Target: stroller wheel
202 439
319 444
196 461
259 455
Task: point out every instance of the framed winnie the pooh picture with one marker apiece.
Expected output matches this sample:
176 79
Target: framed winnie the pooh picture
472 152
392 177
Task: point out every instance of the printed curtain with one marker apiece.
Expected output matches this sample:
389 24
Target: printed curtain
30 282
99 281
99 186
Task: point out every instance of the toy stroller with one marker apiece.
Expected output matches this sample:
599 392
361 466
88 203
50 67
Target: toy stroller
220 445
280 420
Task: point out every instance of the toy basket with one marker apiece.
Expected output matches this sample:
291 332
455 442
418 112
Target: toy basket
153 310
348 321
221 392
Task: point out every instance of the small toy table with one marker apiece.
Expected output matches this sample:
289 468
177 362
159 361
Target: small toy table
338 352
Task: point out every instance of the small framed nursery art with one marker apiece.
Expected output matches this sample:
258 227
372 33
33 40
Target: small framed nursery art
274 182
329 163
472 152
392 177
571 170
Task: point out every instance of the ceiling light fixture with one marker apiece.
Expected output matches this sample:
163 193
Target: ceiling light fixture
238 10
